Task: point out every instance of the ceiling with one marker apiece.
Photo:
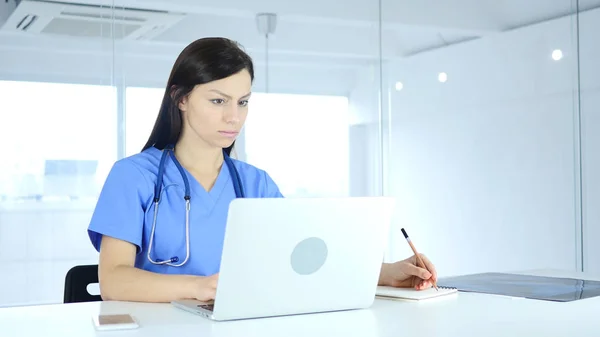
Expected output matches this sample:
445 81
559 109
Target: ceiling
349 32
311 27
316 38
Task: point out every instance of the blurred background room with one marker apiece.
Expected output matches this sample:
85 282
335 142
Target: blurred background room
482 118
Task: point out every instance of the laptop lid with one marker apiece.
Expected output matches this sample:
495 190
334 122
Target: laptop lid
286 256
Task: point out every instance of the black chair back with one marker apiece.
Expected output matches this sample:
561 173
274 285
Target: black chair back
76 282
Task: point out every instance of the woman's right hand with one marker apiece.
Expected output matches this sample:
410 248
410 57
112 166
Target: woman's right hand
205 288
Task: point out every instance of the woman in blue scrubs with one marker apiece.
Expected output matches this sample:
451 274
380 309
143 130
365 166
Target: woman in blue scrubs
203 110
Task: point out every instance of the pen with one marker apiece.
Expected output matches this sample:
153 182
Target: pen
419 260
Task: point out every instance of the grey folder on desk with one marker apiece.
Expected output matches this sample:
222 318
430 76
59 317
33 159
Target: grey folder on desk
528 286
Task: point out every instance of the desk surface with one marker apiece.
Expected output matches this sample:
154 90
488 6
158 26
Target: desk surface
464 314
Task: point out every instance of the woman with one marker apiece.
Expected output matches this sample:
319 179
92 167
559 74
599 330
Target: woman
202 112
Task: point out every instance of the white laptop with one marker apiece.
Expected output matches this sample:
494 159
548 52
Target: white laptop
287 256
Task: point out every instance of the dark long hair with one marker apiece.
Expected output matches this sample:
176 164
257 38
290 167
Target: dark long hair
204 60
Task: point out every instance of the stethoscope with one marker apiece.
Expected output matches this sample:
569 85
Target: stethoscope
237 186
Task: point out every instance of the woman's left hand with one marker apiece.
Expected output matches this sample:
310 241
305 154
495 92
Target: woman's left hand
407 274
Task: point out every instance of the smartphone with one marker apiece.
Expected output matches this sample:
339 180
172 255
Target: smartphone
115 322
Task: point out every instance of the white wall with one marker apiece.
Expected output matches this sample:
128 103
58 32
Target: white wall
485 165
39 243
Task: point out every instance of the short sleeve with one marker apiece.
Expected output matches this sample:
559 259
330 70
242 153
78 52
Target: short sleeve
271 188
119 212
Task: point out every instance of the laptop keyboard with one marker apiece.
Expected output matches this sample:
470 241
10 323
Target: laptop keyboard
208 307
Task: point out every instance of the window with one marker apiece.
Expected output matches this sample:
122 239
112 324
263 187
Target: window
141 110
61 139
59 142
302 141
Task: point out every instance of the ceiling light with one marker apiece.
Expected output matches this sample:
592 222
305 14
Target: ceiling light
442 77
557 54
399 86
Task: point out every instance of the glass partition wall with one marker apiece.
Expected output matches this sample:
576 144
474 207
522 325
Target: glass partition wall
467 113
482 110
81 86
59 123
589 98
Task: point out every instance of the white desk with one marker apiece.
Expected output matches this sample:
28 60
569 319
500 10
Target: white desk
464 314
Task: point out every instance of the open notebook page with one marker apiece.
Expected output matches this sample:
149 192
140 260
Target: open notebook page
411 293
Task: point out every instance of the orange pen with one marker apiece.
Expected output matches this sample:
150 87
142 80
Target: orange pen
419 260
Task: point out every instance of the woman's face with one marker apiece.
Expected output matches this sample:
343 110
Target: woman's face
215 112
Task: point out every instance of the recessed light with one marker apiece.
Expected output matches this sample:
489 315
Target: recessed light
557 54
442 77
399 86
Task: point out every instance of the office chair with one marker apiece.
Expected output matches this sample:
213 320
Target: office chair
76 282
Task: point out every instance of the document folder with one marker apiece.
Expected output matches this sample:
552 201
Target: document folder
527 286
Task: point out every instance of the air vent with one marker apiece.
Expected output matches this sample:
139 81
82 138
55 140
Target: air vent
90 21
101 16
26 22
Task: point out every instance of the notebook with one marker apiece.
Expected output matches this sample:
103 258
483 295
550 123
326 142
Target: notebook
412 294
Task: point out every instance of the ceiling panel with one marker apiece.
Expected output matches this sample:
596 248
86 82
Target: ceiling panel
325 33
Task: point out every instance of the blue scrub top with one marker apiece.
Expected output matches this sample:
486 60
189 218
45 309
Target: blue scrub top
125 211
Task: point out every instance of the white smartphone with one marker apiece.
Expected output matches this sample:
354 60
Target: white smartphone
115 322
